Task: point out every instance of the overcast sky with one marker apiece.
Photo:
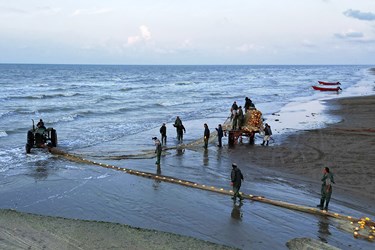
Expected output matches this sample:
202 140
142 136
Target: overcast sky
188 32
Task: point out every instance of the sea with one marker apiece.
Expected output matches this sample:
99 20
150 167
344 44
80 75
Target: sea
111 110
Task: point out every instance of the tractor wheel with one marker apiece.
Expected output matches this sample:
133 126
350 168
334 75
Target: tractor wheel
53 138
30 138
28 148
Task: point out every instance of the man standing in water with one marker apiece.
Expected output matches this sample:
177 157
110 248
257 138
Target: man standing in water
163 132
206 135
236 178
158 150
180 129
326 190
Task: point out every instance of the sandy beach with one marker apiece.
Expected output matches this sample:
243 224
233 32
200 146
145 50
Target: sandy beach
346 147
27 231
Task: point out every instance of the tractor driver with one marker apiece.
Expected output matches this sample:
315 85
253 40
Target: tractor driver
41 124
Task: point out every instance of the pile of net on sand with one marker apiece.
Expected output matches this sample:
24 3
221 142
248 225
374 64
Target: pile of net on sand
253 121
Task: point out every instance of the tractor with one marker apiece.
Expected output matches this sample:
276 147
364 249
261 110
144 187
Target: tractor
40 137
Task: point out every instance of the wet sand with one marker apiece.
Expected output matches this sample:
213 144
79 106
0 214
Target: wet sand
347 148
28 231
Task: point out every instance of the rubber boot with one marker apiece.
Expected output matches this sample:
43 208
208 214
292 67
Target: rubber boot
267 143
321 204
262 143
326 206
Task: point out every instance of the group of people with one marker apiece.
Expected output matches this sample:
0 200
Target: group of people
237 118
237 114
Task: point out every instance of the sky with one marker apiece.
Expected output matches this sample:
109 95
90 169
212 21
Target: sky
254 32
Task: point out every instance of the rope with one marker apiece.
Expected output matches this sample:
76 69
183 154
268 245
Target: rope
365 230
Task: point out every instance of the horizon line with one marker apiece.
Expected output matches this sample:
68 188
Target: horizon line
114 64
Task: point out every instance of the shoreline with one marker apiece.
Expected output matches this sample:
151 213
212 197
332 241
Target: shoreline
298 160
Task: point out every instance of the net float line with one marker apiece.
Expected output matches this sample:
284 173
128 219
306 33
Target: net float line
311 210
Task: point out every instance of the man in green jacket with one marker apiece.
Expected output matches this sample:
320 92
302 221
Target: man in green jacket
326 191
158 150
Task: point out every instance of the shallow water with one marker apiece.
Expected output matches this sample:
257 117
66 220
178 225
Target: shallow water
105 111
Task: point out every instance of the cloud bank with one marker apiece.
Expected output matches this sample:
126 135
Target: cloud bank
144 35
349 34
366 16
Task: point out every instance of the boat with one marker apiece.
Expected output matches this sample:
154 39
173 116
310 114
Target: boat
326 89
329 83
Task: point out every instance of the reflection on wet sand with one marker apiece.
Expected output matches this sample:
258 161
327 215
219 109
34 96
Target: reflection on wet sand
236 211
323 229
156 183
205 158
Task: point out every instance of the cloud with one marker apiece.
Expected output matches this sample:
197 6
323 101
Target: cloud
366 16
245 47
133 40
6 10
144 35
308 43
349 34
354 36
94 11
145 32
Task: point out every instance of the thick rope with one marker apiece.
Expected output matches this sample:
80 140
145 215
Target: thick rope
365 228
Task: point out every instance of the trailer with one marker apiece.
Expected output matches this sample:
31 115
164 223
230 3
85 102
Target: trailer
252 124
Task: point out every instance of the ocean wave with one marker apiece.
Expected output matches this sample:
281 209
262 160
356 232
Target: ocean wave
183 83
53 109
127 89
67 118
45 96
3 134
170 103
7 113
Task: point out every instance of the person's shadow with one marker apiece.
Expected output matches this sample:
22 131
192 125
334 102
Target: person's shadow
205 157
323 230
236 211
156 183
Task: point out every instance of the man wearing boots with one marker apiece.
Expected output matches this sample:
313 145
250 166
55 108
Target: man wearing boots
326 191
158 150
163 132
236 178
267 134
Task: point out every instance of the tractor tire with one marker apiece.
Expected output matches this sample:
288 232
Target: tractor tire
53 138
30 138
28 148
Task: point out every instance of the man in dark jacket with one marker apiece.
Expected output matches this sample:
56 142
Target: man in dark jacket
163 132
236 178
180 129
267 134
206 135
220 134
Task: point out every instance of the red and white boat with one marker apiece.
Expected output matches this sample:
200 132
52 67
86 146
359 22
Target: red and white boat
326 89
329 83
